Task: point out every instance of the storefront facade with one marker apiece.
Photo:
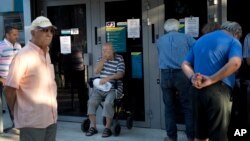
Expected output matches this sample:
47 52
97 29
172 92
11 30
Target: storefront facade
90 23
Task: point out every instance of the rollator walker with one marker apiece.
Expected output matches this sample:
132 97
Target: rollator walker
120 112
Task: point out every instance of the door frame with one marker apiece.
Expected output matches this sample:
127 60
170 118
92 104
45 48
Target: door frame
49 3
153 28
95 10
146 99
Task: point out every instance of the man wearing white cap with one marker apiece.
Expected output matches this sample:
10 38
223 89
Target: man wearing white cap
30 86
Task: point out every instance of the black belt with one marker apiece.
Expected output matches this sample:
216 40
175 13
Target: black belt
171 70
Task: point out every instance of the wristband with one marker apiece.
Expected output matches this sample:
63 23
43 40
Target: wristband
190 78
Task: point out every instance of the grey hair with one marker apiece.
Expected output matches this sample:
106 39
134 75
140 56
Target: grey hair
171 25
232 27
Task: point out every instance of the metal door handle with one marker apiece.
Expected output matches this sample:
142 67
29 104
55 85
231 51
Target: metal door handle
96 36
153 33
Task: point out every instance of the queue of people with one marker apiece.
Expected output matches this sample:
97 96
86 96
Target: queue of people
202 77
210 65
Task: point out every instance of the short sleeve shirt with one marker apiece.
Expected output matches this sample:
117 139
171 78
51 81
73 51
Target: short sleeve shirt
7 52
246 46
111 67
32 74
212 51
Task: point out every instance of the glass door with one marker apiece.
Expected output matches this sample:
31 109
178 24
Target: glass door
116 15
72 21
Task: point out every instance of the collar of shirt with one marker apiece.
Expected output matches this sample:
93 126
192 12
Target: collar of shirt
9 43
44 57
38 49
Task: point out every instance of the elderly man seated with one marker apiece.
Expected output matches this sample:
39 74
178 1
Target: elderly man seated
111 68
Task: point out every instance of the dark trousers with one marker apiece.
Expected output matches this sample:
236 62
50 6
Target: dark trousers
10 114
212 109
38 134
240 107
175 82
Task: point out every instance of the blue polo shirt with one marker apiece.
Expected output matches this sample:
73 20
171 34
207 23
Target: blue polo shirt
212 51
172 49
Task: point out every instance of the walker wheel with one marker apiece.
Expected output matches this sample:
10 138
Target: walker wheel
117 129
130 122
85 125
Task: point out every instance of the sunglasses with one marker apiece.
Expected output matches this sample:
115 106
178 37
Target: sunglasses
46 30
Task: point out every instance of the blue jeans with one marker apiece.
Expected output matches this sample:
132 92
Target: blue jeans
175 82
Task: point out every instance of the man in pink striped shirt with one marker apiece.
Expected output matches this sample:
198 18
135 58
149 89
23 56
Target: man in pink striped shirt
8 49
30 86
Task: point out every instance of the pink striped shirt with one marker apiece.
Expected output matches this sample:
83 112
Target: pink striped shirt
32 74
7 52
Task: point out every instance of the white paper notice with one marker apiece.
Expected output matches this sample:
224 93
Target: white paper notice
65 43
74 31
192 26
133 28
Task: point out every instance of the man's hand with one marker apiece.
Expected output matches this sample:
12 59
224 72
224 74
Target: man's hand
104 80
206 81
3 81
196 80
200 81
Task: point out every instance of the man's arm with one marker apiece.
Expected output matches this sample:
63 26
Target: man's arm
187 69
115 76
2 80
232 66
99 66
10 93
195 78
228 69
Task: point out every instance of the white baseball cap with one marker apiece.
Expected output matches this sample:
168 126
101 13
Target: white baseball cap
41 22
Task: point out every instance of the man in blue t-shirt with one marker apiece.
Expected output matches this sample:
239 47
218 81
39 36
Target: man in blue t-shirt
210 65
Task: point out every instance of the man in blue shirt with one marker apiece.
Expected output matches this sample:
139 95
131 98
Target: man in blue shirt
172 49
210 65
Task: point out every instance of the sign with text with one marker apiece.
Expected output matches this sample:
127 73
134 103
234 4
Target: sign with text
117 36
65 44
133 28
74 31
192 26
